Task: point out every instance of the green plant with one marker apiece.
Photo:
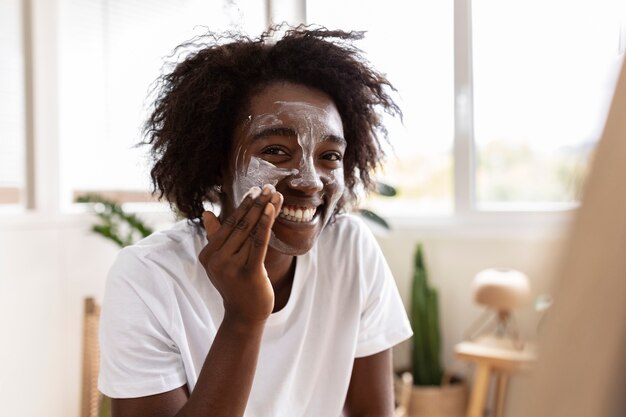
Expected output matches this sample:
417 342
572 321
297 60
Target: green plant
384 190
105 407
426 350
122 228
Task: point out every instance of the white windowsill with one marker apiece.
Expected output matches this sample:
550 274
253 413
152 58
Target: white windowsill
479 224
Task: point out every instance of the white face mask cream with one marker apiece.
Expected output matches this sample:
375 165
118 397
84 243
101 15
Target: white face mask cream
301 169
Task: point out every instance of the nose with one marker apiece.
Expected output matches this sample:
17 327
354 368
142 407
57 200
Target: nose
306 179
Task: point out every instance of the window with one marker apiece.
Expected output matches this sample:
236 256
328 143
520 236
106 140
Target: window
110 53
12 123
525 88
544 74
516 133
411 42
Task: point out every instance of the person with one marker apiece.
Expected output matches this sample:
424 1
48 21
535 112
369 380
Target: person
282 304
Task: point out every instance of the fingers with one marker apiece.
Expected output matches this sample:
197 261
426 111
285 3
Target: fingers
222 234
231 236
260 241
277 202
210 222
257 235
243 229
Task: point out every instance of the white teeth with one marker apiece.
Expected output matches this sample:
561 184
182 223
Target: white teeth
302 215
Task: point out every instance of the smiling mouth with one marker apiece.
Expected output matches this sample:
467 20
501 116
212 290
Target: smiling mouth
298 214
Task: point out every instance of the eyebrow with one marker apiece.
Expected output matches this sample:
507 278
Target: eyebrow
337 139
274 131
287 132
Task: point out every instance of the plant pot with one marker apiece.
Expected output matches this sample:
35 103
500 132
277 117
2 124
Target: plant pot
439 401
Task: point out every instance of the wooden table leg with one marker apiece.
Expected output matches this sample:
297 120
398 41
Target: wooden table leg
480 388
501 387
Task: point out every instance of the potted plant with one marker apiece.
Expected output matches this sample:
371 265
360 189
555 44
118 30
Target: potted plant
115 224
435 393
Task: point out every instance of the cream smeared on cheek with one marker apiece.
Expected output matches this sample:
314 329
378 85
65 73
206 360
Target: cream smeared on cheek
257 172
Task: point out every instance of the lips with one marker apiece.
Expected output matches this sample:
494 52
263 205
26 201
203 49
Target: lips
298 214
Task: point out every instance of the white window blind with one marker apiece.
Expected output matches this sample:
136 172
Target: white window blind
12 128
110 53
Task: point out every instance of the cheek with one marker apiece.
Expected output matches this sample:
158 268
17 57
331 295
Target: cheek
335 185
258 173
335 175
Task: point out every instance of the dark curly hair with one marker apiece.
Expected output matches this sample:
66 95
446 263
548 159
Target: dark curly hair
206 90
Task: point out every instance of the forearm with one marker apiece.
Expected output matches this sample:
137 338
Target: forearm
225 381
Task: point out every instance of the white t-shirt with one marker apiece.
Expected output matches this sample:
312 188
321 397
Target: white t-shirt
161 313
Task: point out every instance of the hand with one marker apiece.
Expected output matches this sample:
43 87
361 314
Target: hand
234 256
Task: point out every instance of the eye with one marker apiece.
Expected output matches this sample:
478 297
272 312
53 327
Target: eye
274 150
332 156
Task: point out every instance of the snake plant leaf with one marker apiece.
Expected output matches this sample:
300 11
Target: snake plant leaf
385 189
426 349
370 215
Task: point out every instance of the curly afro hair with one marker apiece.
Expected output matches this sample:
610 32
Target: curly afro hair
200 98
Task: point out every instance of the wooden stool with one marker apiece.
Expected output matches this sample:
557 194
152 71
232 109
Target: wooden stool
489 361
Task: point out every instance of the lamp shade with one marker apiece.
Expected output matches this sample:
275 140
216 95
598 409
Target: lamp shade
501 289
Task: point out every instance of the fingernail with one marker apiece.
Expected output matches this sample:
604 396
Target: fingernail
253 192
275 198
268 209
268 188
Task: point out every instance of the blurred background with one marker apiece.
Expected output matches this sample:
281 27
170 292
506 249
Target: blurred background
503 104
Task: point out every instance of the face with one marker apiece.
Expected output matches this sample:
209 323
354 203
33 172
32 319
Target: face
292 138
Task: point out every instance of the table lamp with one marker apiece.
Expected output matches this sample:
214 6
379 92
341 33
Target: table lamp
500 290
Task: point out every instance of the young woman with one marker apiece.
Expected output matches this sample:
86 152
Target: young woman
282 305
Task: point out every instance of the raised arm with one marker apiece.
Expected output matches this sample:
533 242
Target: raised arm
233 260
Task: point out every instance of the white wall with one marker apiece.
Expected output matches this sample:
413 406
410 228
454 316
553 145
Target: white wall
46 268
453 257
48 265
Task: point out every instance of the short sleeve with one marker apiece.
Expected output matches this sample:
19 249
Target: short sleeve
384 322
137 356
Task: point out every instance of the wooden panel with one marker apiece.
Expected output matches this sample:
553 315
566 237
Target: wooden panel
91 397
582 362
